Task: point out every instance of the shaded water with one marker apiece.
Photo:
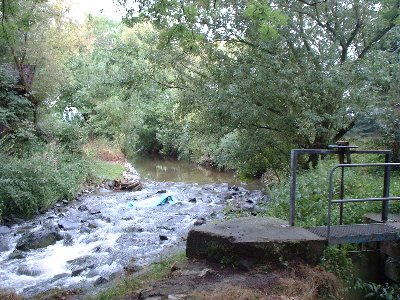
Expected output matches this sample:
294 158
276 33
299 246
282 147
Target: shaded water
104 235
158 169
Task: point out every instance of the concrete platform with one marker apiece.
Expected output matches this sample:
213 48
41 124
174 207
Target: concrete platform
358 233
393 219
258 239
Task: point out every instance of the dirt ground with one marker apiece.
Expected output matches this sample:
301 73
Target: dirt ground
202 280
198 279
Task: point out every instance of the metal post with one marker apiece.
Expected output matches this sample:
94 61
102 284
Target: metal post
386 188
293 167
341 195
343 153
330 195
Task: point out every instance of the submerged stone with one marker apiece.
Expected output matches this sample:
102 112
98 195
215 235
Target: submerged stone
4 230
101 280
28 271
16 254
4 245
68 224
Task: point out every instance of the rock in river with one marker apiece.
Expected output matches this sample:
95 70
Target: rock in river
68 224
39 239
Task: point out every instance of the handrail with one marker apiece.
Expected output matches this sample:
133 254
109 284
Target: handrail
295 153
385 197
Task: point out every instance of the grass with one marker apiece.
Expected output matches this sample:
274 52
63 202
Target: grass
103 171
130 285
105 161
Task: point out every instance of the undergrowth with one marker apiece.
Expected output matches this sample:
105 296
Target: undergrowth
34 181
312 194
129 285
337 261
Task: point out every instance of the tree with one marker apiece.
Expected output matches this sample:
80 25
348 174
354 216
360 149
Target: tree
32 37
113 89
289 69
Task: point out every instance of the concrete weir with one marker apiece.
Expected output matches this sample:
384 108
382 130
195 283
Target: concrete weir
255 239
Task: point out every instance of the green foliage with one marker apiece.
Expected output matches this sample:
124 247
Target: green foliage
101 171
312 195
72 135
36 180
378 291
16 127
285 74
129 285
337 261
268 19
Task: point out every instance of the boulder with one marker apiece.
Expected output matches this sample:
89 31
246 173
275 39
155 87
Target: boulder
68 224
39 239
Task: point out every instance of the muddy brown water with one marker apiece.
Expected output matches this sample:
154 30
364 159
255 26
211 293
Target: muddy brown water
159 169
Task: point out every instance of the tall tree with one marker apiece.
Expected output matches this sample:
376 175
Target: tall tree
27 31
286 72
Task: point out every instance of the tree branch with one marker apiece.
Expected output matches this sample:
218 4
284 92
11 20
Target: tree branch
266 127
382 32
344 130
312 3
166 84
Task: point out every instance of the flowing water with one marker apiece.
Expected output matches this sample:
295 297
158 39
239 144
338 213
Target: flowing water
104 234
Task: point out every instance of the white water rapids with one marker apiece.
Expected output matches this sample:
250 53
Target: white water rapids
103 233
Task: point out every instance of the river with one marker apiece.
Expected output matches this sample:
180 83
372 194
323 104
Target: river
104 235
158 169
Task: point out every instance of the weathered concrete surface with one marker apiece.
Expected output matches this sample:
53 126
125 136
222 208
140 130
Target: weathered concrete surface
393 219
257 239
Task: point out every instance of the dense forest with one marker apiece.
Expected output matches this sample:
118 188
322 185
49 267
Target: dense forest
230 84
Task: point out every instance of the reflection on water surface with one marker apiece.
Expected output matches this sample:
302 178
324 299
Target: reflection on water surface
180 171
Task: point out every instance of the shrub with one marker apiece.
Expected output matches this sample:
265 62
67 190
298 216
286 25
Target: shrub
312 195
37 179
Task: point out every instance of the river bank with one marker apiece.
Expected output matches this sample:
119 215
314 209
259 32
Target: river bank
104 234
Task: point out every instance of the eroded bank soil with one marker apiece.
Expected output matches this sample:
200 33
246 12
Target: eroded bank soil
199 279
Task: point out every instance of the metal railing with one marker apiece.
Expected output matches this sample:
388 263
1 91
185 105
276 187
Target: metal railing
338 151
385 198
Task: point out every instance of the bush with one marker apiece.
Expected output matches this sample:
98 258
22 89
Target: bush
70 134
35 181
312 195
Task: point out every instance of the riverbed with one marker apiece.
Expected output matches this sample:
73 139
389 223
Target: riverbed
104 235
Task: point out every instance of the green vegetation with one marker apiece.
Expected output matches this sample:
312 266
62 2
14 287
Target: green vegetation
34 181
104 171
232 84
129 285
312 194
337 261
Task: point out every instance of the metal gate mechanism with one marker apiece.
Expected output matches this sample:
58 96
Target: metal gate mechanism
348 233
